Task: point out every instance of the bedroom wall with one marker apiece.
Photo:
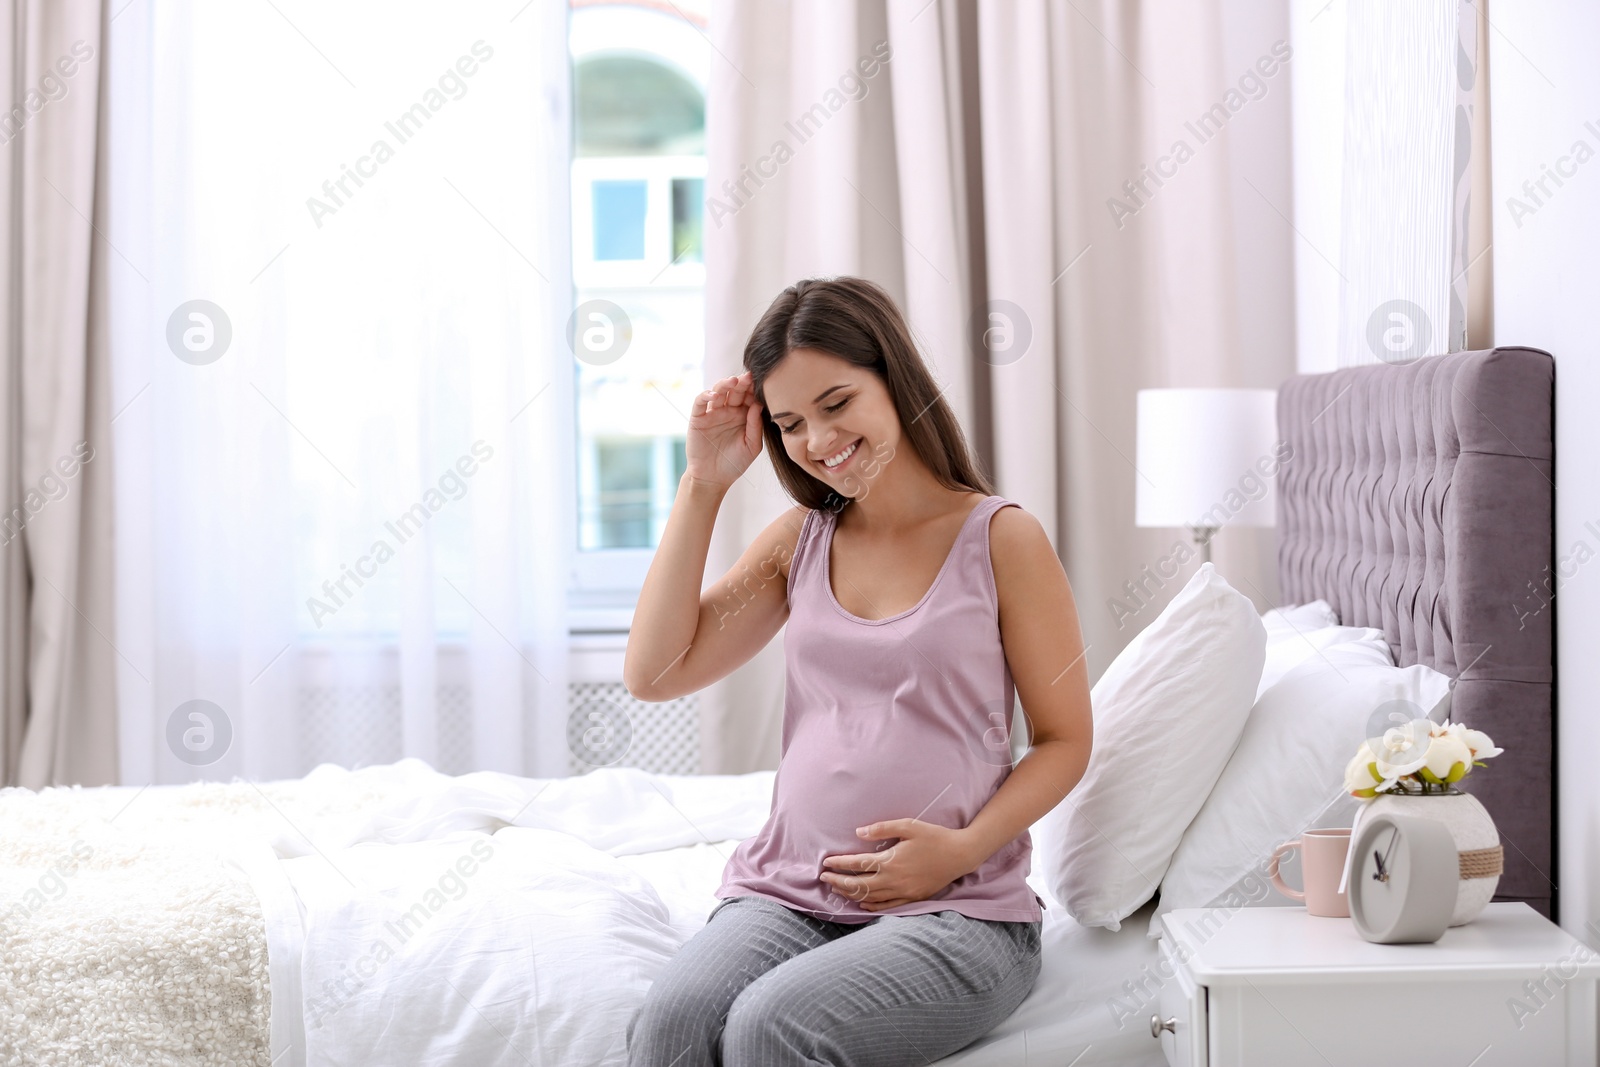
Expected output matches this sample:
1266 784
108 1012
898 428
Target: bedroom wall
1544 123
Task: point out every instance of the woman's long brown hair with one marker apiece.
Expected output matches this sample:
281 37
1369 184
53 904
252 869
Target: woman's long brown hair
855 320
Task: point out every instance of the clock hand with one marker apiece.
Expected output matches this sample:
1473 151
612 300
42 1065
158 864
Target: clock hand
1383 860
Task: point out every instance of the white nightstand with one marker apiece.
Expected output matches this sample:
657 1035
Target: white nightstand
1275 987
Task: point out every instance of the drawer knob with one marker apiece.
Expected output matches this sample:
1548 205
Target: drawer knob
1156 1026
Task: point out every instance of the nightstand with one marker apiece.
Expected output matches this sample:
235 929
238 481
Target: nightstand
1270 987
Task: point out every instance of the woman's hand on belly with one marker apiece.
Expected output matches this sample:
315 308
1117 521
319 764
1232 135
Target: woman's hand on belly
926 858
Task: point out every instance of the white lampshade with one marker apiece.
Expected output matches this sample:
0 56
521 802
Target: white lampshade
1207 457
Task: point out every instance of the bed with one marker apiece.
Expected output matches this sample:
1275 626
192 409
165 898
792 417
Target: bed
246 923
393 914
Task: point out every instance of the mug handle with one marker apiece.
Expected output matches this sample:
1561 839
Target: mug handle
1272 870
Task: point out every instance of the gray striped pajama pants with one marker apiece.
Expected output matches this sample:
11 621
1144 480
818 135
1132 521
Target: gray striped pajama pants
763 985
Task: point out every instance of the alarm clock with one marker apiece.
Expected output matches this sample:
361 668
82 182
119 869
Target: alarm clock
1403 875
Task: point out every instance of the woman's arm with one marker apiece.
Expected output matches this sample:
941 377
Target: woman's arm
681 639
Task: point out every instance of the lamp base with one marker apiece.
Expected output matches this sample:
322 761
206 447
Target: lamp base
1202 537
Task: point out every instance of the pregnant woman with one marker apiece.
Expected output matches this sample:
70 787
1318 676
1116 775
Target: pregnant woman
882 915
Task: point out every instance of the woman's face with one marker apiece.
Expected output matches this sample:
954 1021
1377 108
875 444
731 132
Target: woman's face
826 407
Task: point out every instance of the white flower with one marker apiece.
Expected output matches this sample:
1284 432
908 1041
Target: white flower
1448 758
1359 780
1403 749
1479 743
1476 740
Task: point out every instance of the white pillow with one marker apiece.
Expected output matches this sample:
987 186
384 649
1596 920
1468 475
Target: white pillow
1288 648
1287 772
1298 618
1167 714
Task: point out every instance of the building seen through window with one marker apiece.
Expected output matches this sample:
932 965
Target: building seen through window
638 189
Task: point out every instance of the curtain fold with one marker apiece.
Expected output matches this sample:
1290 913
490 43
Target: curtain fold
994 175
345 392
57 662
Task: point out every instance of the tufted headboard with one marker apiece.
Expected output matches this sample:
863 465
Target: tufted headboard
1420 499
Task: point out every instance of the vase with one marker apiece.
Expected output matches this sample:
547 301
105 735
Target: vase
1477 841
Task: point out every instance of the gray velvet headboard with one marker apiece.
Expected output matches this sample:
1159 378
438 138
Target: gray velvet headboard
1420 499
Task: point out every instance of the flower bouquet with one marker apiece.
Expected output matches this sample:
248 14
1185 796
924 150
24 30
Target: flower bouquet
1419 758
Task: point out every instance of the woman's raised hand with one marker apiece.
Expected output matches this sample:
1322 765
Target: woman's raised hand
724 431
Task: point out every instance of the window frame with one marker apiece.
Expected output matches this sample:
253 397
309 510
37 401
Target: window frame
604 583
657 268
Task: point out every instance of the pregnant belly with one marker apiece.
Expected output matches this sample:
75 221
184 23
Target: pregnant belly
841 775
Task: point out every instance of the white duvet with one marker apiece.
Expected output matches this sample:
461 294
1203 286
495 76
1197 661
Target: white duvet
490 919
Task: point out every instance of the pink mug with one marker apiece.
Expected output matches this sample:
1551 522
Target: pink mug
1322 855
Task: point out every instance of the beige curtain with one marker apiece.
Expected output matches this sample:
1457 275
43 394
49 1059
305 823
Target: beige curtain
973 170
57 667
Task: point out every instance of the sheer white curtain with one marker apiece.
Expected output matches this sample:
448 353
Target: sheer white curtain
341 390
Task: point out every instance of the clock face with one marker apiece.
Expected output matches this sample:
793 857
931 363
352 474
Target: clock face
1385 873
1404 877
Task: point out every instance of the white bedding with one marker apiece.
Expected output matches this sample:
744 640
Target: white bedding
593 884
540 910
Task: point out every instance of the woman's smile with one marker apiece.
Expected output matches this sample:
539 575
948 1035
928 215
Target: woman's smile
848 453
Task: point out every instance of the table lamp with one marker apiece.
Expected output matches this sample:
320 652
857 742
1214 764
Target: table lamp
1207 458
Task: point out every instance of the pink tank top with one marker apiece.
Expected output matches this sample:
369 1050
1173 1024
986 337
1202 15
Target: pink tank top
902 717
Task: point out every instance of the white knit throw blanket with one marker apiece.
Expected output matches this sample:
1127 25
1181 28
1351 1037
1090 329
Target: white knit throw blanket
124 937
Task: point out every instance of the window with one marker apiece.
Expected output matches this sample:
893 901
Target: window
619 218
638 186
